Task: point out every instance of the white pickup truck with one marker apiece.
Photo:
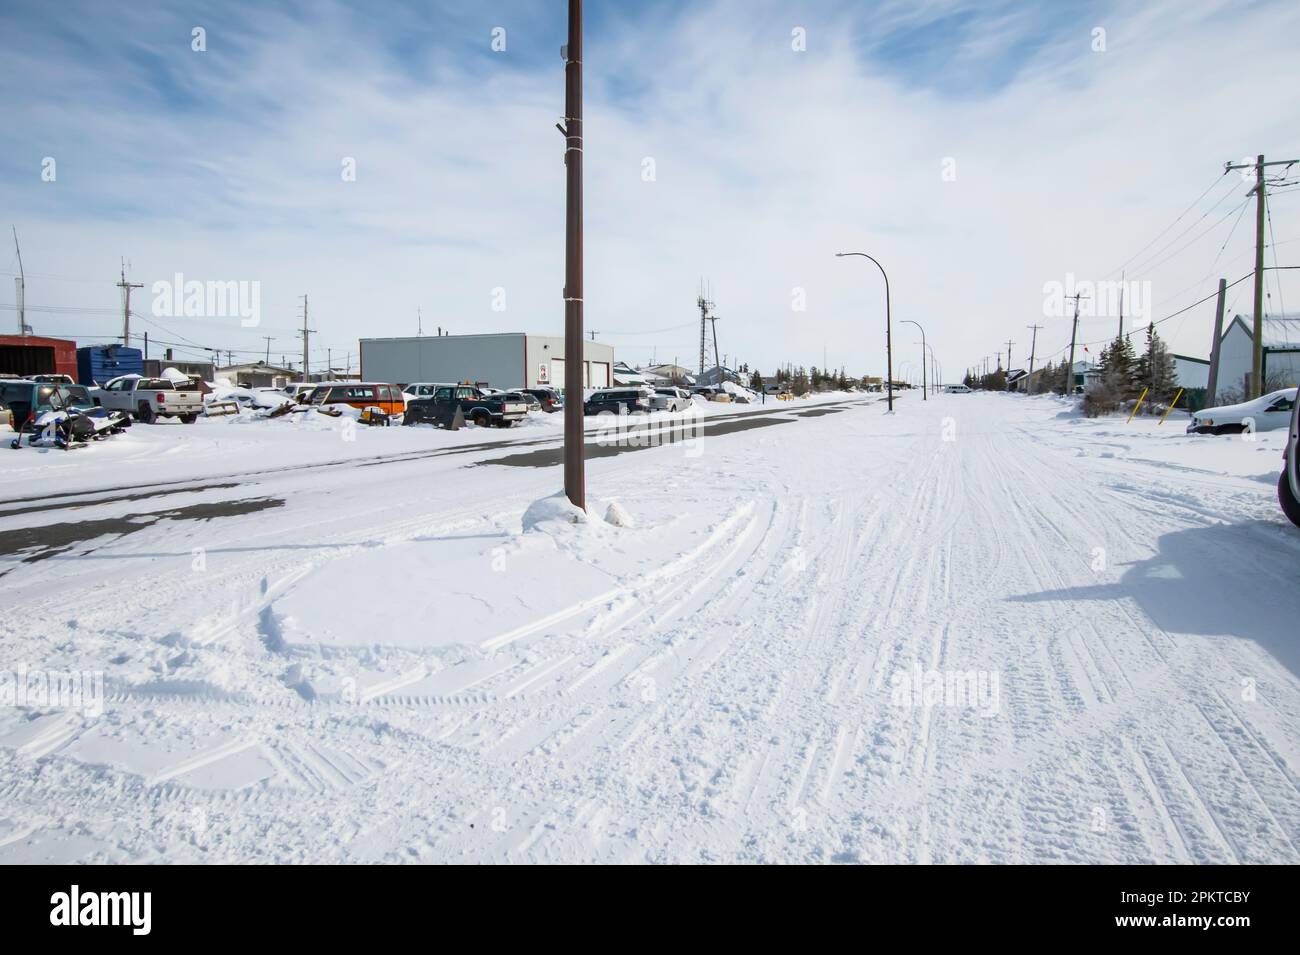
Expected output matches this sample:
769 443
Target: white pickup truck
148 399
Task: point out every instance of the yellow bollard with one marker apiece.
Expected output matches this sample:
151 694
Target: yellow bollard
1138 405
1171 407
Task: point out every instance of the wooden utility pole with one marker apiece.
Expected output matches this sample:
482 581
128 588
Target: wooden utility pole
1260 191
1033 350
1122 285
126 287
1074 334
1257 352
268 348
1009 344
20 284
306 342
1212 386
575 481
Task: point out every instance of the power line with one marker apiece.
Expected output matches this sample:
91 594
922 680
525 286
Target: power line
1149 267
1124 265
1277 278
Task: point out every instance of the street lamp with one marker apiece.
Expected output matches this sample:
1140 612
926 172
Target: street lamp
936 370
924 346
889 341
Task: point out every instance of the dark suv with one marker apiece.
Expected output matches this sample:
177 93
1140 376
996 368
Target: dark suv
548 398
617 401
22 402
1288 485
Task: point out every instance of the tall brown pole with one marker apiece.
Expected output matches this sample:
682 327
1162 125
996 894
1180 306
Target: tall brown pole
1257 351
574 476
1212 386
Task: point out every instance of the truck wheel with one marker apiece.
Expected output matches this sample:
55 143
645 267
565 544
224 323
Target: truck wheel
145 414
189 418
1290 506
482 419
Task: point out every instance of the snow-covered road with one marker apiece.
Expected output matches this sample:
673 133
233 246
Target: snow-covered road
979 630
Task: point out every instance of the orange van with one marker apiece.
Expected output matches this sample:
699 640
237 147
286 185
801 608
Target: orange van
360 394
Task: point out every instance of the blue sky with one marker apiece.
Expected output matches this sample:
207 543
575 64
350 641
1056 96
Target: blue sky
224 164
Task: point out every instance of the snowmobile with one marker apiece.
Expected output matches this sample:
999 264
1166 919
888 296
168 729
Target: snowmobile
70 429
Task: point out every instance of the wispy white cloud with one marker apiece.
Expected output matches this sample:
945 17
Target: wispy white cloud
227 164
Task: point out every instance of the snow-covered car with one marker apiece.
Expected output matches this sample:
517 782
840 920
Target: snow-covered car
1268 413
299 391
671 399
1288 485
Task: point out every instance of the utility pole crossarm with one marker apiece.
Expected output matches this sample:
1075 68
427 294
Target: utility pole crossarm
1260 192
126 287
1033 350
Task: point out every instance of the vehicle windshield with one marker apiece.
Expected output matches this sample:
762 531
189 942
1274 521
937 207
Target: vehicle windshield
76 395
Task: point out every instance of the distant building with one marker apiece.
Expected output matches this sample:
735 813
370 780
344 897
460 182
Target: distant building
712 377
205 370
257 374
501 360
625 374
672 373
1191 372
1236 354
35 355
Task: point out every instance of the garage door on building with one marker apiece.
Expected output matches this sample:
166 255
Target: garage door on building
598 374
557 373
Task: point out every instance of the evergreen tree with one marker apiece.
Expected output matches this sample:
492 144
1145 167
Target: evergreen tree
1155 369
1119 369
756 381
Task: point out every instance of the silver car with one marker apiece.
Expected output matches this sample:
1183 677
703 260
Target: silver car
670 399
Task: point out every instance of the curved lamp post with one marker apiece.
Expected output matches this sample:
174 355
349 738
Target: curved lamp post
924 346
936 370
889 342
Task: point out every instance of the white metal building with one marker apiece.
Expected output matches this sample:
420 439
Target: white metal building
1281 353
501 360
1191 372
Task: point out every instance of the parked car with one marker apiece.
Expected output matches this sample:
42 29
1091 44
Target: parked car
618 401
148 399
424 389
1268 413
671 399
22 401
359 394
956 390
1288 485
300 391
527 397
549 399
484 409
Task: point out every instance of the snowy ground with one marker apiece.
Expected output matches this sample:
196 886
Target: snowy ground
379 655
